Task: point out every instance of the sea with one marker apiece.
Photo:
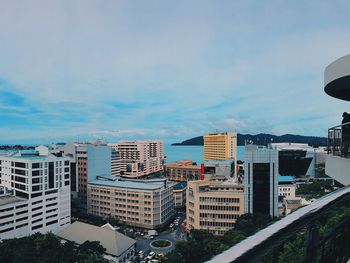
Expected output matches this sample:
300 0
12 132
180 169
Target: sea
195 153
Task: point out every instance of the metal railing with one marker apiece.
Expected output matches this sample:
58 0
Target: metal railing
335 140
306 226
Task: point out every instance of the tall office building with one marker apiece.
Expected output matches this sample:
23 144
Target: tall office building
89 161
140 158
261 180
34 193
221 146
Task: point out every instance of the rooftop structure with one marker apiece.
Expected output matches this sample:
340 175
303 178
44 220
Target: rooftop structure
115 243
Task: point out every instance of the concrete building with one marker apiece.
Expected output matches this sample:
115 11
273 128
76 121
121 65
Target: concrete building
261 180
116 164
182 171
35 193
213 205
222 168
221 146
180 194
119 248
296 159
88 161
286 187
140 158
141 203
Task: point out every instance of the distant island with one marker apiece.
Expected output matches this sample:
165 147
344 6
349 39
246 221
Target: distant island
16 147
264 139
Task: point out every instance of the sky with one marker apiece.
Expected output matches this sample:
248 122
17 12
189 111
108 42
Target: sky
171 70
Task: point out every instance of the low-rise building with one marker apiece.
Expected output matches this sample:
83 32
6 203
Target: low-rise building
222 168
214 205
182 171
141 203
35 195
292 204
286 187
119 247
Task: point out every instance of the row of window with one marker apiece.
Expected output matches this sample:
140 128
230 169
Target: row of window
217 224
218 200
220 208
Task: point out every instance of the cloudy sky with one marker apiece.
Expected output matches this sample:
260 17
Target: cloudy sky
73 70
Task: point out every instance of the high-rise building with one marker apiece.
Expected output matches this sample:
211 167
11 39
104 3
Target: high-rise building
261 180
220 146
214 205
116 163
140 158
35 195
89 161
141 203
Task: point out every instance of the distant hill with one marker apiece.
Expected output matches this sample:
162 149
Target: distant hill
264 139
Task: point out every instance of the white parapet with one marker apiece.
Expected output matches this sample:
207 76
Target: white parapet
339 169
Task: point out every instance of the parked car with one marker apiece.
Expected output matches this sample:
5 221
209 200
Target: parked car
151 255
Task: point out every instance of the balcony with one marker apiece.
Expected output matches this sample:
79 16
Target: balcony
337 165
310 234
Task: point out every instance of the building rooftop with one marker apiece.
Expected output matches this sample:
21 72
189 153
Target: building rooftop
214 162
180 186
132 184
114 242
285 179
9 199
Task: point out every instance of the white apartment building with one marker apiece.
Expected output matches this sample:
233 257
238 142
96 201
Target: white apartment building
35 195
140 158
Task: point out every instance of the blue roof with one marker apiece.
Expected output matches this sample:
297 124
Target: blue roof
286 179
179 186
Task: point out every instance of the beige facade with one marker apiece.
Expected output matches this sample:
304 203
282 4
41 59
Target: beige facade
140 158
220 146
182 171
214 205
141 203
180 194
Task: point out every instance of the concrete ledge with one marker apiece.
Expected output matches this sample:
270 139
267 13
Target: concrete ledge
339 169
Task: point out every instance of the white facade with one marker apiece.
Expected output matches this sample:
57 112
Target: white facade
38 196
286 190
140 158
261 180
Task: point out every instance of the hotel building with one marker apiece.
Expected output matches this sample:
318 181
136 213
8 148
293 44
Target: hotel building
34 194
140 158
221 146
141 203
261 180
214 205
182 171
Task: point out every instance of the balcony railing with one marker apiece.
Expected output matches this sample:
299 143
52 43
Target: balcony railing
319 232
335 139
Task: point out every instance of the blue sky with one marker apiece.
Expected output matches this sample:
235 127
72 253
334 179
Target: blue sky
77 70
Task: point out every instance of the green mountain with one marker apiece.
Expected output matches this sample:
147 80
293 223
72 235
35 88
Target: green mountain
264 139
